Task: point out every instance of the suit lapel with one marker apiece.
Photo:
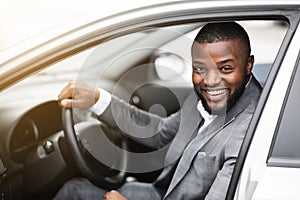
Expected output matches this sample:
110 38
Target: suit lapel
190 120
199 142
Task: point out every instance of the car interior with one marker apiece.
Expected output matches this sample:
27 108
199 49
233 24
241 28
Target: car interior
149 69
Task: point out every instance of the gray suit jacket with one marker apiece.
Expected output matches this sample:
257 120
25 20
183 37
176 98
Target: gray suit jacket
196 167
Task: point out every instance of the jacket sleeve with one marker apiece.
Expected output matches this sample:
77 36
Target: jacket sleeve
143 127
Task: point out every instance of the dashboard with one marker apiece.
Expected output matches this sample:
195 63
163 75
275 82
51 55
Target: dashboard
33 128
34 158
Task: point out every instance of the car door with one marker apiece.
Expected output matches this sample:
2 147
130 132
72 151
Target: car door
268 165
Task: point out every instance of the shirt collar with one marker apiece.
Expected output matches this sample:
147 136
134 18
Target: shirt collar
206 116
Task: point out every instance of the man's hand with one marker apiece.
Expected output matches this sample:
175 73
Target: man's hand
78 94
113 195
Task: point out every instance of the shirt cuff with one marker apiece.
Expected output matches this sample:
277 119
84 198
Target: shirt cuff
103 102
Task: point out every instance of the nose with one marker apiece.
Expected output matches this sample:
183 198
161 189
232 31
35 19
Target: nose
212 78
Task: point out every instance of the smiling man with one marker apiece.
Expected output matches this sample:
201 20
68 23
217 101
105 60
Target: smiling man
222 66
205 134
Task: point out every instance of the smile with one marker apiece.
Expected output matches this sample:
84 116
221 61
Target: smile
215 92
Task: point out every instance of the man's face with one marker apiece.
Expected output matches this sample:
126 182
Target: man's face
220 72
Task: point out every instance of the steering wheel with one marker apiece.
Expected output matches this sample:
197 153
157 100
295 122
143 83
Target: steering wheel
89 147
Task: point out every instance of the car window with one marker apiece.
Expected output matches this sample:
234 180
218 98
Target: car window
265 36
153 54
287 129
109 54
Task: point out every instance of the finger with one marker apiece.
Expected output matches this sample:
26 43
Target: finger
67 91
105 197
66 103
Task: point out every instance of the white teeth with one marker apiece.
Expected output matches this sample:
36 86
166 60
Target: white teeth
215 92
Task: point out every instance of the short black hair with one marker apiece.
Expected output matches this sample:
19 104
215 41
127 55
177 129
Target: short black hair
223 31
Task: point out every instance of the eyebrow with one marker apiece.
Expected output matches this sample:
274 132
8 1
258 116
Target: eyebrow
198 62
225 61
220 62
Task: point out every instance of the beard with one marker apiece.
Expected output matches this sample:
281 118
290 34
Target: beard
230 101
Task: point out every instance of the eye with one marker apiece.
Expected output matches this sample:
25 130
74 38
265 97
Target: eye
226 69
199 69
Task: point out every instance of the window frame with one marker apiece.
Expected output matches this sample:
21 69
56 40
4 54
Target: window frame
274 161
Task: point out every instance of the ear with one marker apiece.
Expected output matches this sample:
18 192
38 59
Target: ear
249 66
